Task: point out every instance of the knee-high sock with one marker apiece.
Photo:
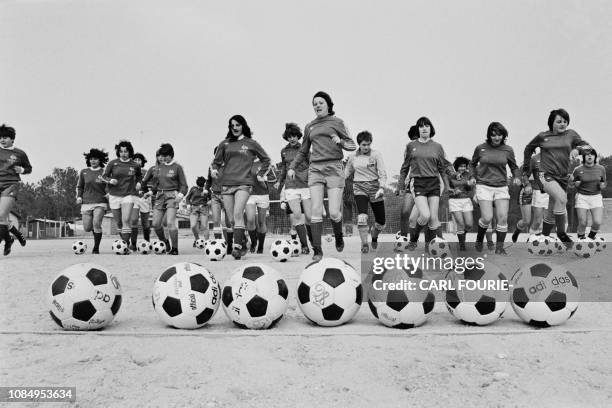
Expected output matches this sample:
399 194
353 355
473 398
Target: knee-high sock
97 239
482 230
309 232
134 235
301 231
238 237
337 228
560 223
317 231
261 239
174 238
253 235
4 233
414 234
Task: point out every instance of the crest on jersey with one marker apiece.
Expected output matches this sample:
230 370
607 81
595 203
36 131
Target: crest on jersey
132 171
244 148
12 158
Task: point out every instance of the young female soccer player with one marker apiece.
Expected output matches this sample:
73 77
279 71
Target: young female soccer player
213 186
142 209
236 155
197 199
257 210
533 201
460 201
327 135
590 180
13 162
370 177
488 169
91 194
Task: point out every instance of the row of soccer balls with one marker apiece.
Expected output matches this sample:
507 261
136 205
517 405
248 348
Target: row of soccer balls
329 293
215 249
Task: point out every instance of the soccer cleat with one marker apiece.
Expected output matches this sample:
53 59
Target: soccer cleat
490 245
260 251
374 244
133 248
478 246
365 248
339 243
19 237
317 254
95 250
7 246
569 243
515 235
173 251
305 250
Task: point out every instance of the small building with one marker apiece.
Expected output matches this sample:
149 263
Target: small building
42 228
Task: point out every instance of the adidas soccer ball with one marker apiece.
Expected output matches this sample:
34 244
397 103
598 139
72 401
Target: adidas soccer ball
255 297
281 250
439 248
186 296
120 247
159 247
540 245
402 243
201 243
79 247
585 248
215 250
296 247
84 297
394 303
329 292
144 247
544 295
601 243
479 296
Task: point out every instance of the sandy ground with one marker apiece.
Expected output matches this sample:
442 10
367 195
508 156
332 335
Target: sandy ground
138 361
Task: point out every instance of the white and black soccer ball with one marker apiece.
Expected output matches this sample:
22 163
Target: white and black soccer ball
84 297
186 295
215 250
540 245
585 248
329 238
159 247
255 297
296 247
79 247
144 247
394 303
558 245
397 235
120 247
402 243
439 248
329 292
475 298
281 250
201 243
544 295
601 243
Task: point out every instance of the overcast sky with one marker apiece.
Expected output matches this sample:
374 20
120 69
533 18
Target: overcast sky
80 74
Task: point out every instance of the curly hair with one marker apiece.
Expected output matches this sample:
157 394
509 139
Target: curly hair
127 145
94 153
141 157
7 131
200 181
292 129
460 161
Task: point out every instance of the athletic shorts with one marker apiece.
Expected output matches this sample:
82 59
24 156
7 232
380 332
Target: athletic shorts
297 194
261 201
143 204
460 204
89 208
199 210
329 173
165 200
425 186
546 178
488 193
588 202
524 198
368 189
9 190
540 199
115 202
231 190
216 199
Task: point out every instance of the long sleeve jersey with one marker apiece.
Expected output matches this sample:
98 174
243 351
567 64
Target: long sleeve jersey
461 185
171 177
531 176
149 181
555 151
196 196
214 184
127 174
590 178
9 158
489 162
259 187
288 154
318 135
91 188
424 160
237 157
366 167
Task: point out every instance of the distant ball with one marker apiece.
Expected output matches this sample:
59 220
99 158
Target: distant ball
79 247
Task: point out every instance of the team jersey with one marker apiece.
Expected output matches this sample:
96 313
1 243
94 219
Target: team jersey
318 135
259 187
171 177
590 178
127 174
554 150
91 187
214 184
489 162
532 175
366 167
424 160
288 154
237 157
149 181
460 188
196 196
9 158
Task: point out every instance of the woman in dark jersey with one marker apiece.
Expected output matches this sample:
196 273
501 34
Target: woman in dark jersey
460 201
590 180
197 201
257 207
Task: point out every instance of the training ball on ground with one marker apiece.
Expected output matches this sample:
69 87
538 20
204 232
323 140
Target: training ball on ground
329 292
186 295
84 297
120 247
479 296
439 248
200 243
281 250
396 304
255 297
585 248
402 243
159 247
544 295
79 247
540 245
215 250
397 235
144 247
296 247
329 238
601 243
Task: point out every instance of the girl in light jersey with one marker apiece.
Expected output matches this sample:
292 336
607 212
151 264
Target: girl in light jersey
590 180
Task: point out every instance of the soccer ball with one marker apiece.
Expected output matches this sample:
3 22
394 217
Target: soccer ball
296 247
120 247
186 296
601 243
472 300
400 308
144 247
201 243
79 247
329 238
402 243
540 245
585 248
544 295
398 234
215 250
281 250
329 292
439 248
159 247
84 297
255 297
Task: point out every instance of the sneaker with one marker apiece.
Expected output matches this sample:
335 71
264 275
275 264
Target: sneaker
7 246
260 251
133 248
478 246
317 254
374 244
339 243
500 251
20 238
365 248
173 251
490 245
515 235
305 250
